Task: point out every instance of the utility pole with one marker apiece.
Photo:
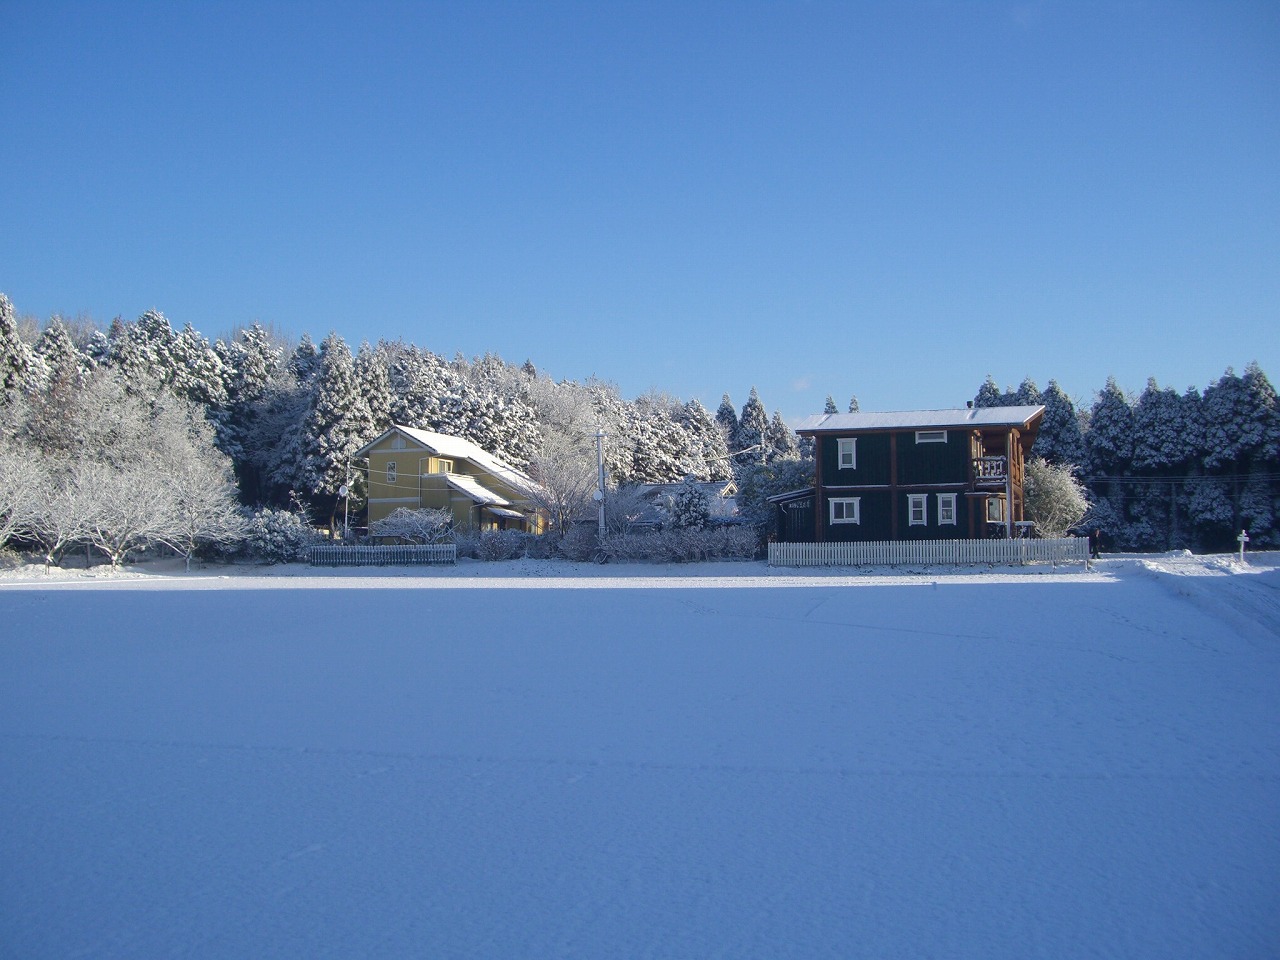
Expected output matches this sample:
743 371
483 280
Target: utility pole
345 490
600 435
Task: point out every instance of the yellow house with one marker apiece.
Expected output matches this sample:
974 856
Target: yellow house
418 469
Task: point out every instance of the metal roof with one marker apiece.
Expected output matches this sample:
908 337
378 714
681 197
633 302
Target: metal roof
921 419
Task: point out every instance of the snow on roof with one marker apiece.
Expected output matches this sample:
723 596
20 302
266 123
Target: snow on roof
444 445
478 493
922 419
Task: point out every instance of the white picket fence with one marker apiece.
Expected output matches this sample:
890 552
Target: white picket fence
334 555
895 552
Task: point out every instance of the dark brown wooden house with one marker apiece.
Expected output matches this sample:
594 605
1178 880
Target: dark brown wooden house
914 475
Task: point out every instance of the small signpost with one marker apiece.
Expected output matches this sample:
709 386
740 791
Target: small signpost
1242 539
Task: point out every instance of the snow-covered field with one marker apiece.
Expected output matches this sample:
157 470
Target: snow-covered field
530 760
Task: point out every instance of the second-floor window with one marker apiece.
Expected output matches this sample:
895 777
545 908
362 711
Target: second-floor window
391 471
931 436
918 509
847 453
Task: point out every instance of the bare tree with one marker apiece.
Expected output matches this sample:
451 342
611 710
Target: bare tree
22 488
565 472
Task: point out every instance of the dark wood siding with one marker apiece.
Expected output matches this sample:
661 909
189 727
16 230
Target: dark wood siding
873 461
928 463
875 512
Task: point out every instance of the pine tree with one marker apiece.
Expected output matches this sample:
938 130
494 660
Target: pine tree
830 406
1060 440
1028 394
989 394
1110 437
780 440
753 428
727 419
707 449
19 369
337 425
305 361
374 382
853 404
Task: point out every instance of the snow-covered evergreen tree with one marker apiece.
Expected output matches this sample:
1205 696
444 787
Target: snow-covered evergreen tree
374 381
753 430
336 426
1110 437
780 440
989 394
727 420
689 507
830 406
1028 394
853 404
304 363
708 453
1060 440
20 370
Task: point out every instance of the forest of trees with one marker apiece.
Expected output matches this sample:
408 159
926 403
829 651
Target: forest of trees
279 423
196 431
1167 470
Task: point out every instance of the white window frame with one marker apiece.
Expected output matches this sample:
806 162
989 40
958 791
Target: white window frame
391 471
918 501
847 515
946 509
998 502
931 436
847 453
444 466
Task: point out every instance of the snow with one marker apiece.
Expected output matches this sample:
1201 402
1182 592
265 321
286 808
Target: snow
723 760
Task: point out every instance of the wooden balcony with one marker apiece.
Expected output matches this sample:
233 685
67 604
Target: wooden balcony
990 472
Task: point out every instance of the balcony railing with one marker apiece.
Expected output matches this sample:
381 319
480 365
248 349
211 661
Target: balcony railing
990 471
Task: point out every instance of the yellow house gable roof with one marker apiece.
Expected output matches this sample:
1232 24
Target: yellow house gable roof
456 448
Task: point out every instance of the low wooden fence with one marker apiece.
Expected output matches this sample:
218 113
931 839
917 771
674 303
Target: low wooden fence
333 555
894 552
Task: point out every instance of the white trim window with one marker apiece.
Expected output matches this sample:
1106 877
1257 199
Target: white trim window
847 453
444 466
995 509
931 436
391 471
918 509
846 509
946 509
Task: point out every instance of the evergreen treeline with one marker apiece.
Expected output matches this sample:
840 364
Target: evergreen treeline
1168 470
289 418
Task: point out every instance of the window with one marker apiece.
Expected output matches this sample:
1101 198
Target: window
847 449
995 510
918 509
931 436
391 471
444 466
846 509
946 509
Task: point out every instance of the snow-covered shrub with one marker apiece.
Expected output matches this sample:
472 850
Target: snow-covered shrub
580 543
415 526
278 536
1055 500
492 544
730 542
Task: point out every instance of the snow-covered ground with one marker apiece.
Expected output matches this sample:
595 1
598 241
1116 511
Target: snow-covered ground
535 760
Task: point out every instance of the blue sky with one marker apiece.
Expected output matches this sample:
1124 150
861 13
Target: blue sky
887 199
